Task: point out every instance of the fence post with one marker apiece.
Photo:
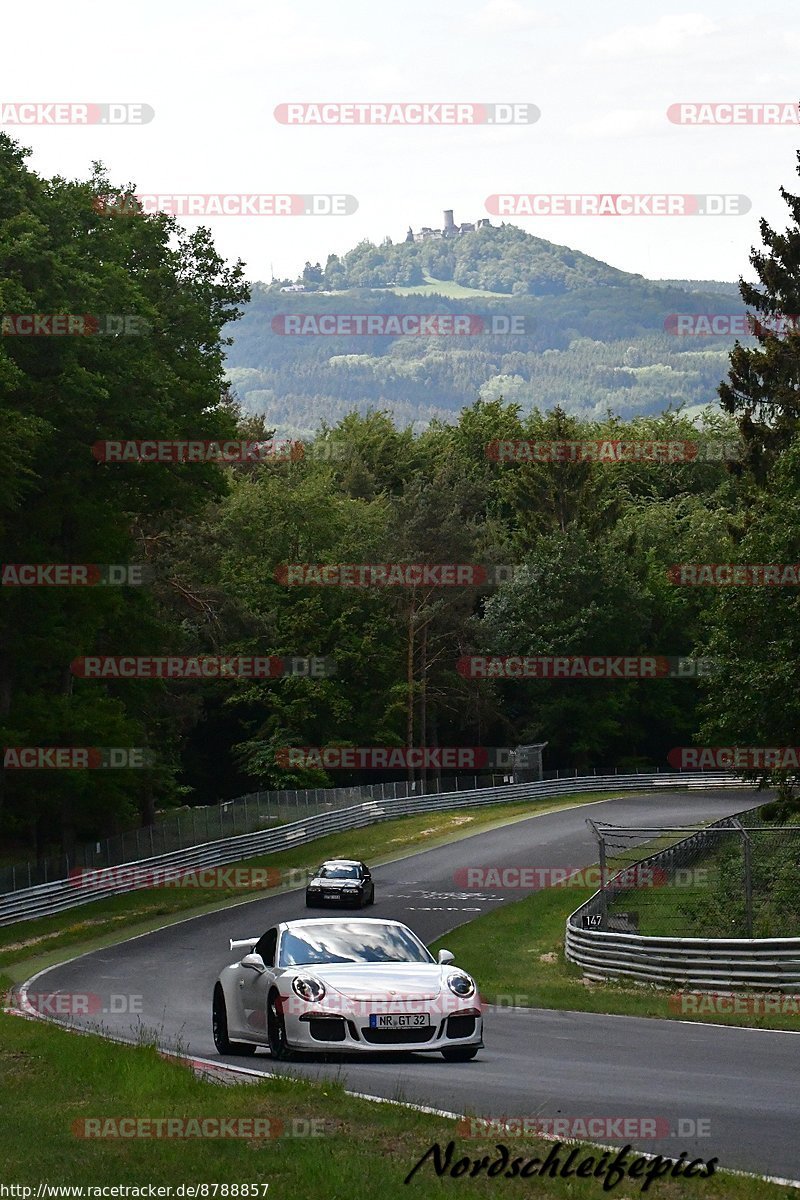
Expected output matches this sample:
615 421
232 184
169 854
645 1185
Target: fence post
748 886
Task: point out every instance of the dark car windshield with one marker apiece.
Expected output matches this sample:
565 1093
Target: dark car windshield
338 873
350 942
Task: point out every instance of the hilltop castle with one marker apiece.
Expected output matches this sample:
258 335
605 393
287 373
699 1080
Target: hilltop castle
450 228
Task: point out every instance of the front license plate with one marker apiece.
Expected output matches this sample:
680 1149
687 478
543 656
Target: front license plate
333 895
399 1020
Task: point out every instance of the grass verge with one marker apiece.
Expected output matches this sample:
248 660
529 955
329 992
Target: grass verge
29 946
59 1079
516 953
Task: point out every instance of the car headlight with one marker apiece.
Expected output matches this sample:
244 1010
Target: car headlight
308 988
460 984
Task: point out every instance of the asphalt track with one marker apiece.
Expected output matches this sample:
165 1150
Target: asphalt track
537 1061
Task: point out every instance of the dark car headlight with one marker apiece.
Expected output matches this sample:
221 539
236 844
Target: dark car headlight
308 988
460 984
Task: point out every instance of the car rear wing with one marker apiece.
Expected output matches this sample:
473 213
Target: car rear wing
242 942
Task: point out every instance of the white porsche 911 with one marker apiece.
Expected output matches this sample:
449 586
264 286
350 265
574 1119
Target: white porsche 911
352 985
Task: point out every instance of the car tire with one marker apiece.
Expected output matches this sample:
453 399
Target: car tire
276 1032
460 1053
219 1027
372 895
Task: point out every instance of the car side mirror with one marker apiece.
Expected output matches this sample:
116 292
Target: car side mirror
255 961
445 956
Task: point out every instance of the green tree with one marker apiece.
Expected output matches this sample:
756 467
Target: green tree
59 253
763 386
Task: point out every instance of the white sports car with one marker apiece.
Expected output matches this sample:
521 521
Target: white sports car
353 985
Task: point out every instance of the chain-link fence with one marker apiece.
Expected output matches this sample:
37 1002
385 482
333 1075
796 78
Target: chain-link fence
194 826
737 878
246 814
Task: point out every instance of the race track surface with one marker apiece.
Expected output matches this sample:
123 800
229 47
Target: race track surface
537 1061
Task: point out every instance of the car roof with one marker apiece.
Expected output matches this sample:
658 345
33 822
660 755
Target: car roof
341 862
338 921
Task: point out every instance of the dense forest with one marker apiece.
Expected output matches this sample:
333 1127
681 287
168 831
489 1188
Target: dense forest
593 543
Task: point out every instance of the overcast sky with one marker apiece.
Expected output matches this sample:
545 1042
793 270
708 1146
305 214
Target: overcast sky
603 76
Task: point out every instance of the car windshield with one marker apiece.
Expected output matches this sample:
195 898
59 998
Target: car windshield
350 942
338 872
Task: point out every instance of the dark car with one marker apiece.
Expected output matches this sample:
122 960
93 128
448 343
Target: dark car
341 881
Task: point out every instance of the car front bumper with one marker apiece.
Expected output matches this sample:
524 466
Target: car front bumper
323 1031
343 898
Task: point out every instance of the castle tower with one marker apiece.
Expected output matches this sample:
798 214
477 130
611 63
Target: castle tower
449 223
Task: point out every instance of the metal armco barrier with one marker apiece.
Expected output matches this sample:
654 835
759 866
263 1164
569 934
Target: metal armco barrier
63 894
704 963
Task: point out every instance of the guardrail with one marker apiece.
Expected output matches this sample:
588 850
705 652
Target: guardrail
196 824
50 898
706 963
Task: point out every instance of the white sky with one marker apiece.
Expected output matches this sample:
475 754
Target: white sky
602 74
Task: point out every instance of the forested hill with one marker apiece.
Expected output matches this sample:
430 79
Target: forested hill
581 334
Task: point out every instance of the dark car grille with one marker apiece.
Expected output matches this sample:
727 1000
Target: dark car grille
327 1029
395 1037
460 1027
320 895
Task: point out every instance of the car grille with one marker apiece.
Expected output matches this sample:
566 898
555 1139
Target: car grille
394 1037
460 1027
327 1029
